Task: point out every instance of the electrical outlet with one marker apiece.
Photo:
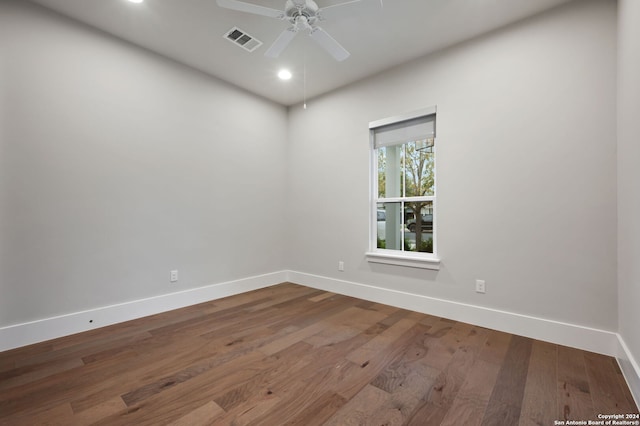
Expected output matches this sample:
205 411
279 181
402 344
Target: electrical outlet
480 286
341 266
173 276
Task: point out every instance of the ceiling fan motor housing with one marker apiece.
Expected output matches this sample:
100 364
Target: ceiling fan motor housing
307 8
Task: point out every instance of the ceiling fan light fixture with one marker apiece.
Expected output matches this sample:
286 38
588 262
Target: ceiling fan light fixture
284 74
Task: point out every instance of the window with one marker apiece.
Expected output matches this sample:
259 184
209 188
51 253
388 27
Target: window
403 230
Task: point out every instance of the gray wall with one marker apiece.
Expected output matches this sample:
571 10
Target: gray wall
117 165
526 169
629 173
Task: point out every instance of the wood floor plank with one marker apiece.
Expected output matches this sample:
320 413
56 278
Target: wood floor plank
414 381
352 322
144 369
395 316
247 413
175 401
428 414
317 327
82 349
365 373
386 310
469 406
606 393
56 415
323 371
9 359
464 343
574 393
359 410
260 382
201 416
55 390
291 355
319 411
539 405
409 379
125 346
322 296
218 350
441 342
413 360
100 410
505 403
294 398
381 342
495 347
32 373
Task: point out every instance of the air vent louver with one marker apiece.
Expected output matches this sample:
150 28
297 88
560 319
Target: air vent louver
242 39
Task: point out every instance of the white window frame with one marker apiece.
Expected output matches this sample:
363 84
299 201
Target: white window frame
399 257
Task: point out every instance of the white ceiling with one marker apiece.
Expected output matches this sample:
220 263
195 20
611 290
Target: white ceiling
378 37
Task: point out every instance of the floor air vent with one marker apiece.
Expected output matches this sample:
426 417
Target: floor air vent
242 39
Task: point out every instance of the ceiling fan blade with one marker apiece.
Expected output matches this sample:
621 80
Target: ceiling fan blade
329 44
351 8
281 43
250 8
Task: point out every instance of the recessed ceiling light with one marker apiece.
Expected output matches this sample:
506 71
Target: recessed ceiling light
136 1
284 75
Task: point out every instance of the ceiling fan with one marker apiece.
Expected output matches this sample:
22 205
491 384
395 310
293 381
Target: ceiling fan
303 15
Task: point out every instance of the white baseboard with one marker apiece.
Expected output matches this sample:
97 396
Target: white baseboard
630 369
586 338
18 335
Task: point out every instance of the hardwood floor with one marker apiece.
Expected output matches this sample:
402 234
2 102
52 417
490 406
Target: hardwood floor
298 356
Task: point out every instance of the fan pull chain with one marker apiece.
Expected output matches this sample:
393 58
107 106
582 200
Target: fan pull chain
304 85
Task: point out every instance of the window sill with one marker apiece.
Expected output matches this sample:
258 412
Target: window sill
412 261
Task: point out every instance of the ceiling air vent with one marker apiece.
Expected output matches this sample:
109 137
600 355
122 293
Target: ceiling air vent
242 39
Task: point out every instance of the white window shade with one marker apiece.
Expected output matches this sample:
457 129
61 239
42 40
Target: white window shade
415 129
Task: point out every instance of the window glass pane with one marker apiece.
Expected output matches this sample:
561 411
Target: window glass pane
419 171
382 172
389 226
419 235
390 171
